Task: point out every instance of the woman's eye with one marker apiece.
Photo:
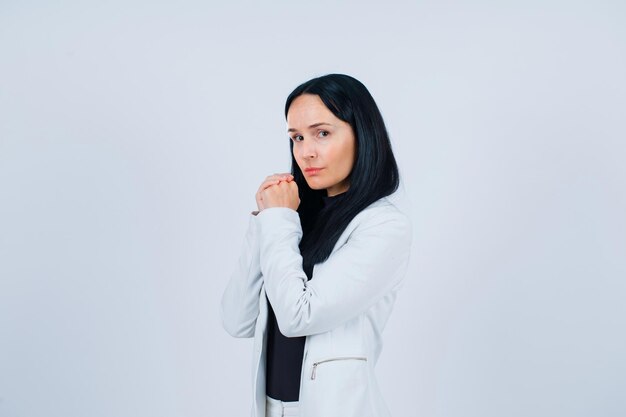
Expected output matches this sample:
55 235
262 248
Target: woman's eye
296 138
325 133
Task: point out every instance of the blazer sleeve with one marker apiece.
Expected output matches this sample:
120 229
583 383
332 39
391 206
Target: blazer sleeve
372 262
239 307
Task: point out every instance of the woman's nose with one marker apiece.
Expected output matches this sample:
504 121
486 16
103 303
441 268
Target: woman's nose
308 149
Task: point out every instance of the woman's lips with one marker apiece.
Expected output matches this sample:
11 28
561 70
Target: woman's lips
312 171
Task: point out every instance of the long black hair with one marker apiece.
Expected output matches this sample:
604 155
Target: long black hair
374 174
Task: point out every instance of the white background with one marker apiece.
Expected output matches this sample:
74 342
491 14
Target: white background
133 136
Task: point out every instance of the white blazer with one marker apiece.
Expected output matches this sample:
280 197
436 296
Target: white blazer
342 310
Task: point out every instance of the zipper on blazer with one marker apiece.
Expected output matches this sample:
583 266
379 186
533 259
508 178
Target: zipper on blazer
362 358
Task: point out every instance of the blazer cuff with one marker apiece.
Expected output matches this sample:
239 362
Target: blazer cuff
278 223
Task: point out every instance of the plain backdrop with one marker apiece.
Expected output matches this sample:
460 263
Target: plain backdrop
134 134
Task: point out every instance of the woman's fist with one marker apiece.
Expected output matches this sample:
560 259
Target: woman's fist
283 194
269 181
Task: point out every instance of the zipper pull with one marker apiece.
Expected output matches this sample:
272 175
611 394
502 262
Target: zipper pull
313 373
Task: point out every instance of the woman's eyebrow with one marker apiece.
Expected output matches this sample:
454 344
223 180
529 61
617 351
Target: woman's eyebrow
311 127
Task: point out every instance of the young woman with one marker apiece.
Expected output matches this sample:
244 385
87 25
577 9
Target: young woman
323 259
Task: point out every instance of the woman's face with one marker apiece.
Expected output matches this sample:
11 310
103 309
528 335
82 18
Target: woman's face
322 141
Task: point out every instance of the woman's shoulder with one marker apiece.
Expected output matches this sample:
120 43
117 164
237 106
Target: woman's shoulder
392 207
385 218
396 203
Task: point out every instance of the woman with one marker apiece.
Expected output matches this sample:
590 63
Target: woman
323 259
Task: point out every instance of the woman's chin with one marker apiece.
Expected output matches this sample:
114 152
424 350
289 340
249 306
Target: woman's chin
315 185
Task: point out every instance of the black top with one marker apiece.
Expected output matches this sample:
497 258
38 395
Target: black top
285 354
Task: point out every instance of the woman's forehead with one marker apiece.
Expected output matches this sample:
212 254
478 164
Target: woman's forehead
307 110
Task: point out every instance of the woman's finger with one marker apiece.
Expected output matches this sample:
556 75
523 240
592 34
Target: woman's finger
267 183
278 177
283 176
275 179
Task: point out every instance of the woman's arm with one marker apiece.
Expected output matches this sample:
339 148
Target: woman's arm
239 306
372 262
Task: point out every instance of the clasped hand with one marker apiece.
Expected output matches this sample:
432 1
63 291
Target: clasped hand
278 190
